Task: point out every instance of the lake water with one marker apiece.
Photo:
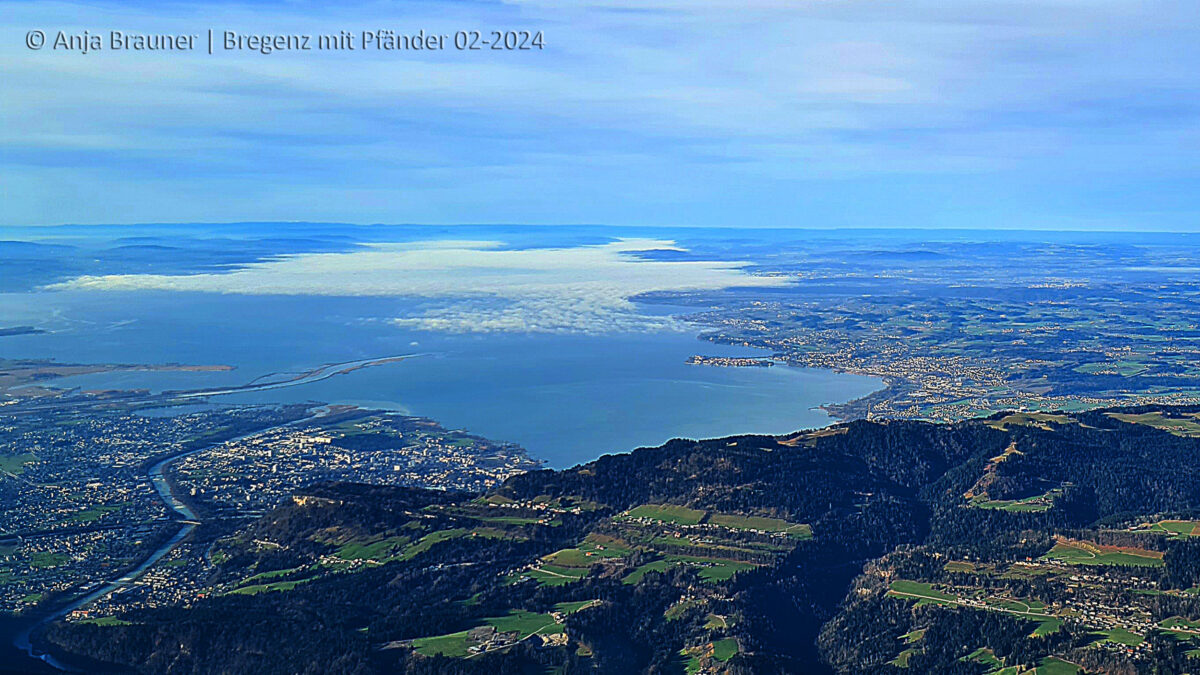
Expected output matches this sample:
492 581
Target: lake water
567 398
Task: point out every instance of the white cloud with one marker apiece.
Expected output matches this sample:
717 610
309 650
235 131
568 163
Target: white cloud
477 286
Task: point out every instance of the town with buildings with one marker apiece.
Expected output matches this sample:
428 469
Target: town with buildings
89 495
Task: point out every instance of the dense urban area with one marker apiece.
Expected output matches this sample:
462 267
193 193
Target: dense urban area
84 498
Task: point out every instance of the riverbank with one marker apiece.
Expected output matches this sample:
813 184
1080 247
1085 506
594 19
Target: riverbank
21 632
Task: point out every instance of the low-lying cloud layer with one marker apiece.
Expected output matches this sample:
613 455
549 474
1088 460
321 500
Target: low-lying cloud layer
483 287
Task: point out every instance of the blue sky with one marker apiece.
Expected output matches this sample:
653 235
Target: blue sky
1058 114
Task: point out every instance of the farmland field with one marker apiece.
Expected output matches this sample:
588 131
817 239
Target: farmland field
1053 666
713 569
571 557
1176 528
1048 626
915 590
1033 419
797 530
1122 637
723 650
1180 627
667 513
985 656
453 644
656 566
267 576
525 623
554 575
373 549
1087 553
1187 426
255 589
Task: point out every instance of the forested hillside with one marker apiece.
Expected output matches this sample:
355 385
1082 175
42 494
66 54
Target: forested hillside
1026 541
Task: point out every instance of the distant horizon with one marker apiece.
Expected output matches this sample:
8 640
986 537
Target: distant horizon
807 228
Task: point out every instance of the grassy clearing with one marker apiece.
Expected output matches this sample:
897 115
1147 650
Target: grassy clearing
716 622
1188 426
571 557
553 575
959 566
525 623
1122 368
667 513
901 661
1176 528
574 562
655 566
605 546
453 644
709 569
428 541
48 559
517 621
1033 419
725 649
913 636
985 656
371 549
922 592
1074 552
1047 626
15 464
1180 628
255 589
1020 606
94 513
678 609
797 530
1052 665
267 576
926 594
576 606
1121 636
382 550
713 569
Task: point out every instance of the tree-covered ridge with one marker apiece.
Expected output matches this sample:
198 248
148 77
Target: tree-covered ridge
1101 578
978 546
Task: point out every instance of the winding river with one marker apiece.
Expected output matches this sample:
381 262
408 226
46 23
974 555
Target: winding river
24 638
